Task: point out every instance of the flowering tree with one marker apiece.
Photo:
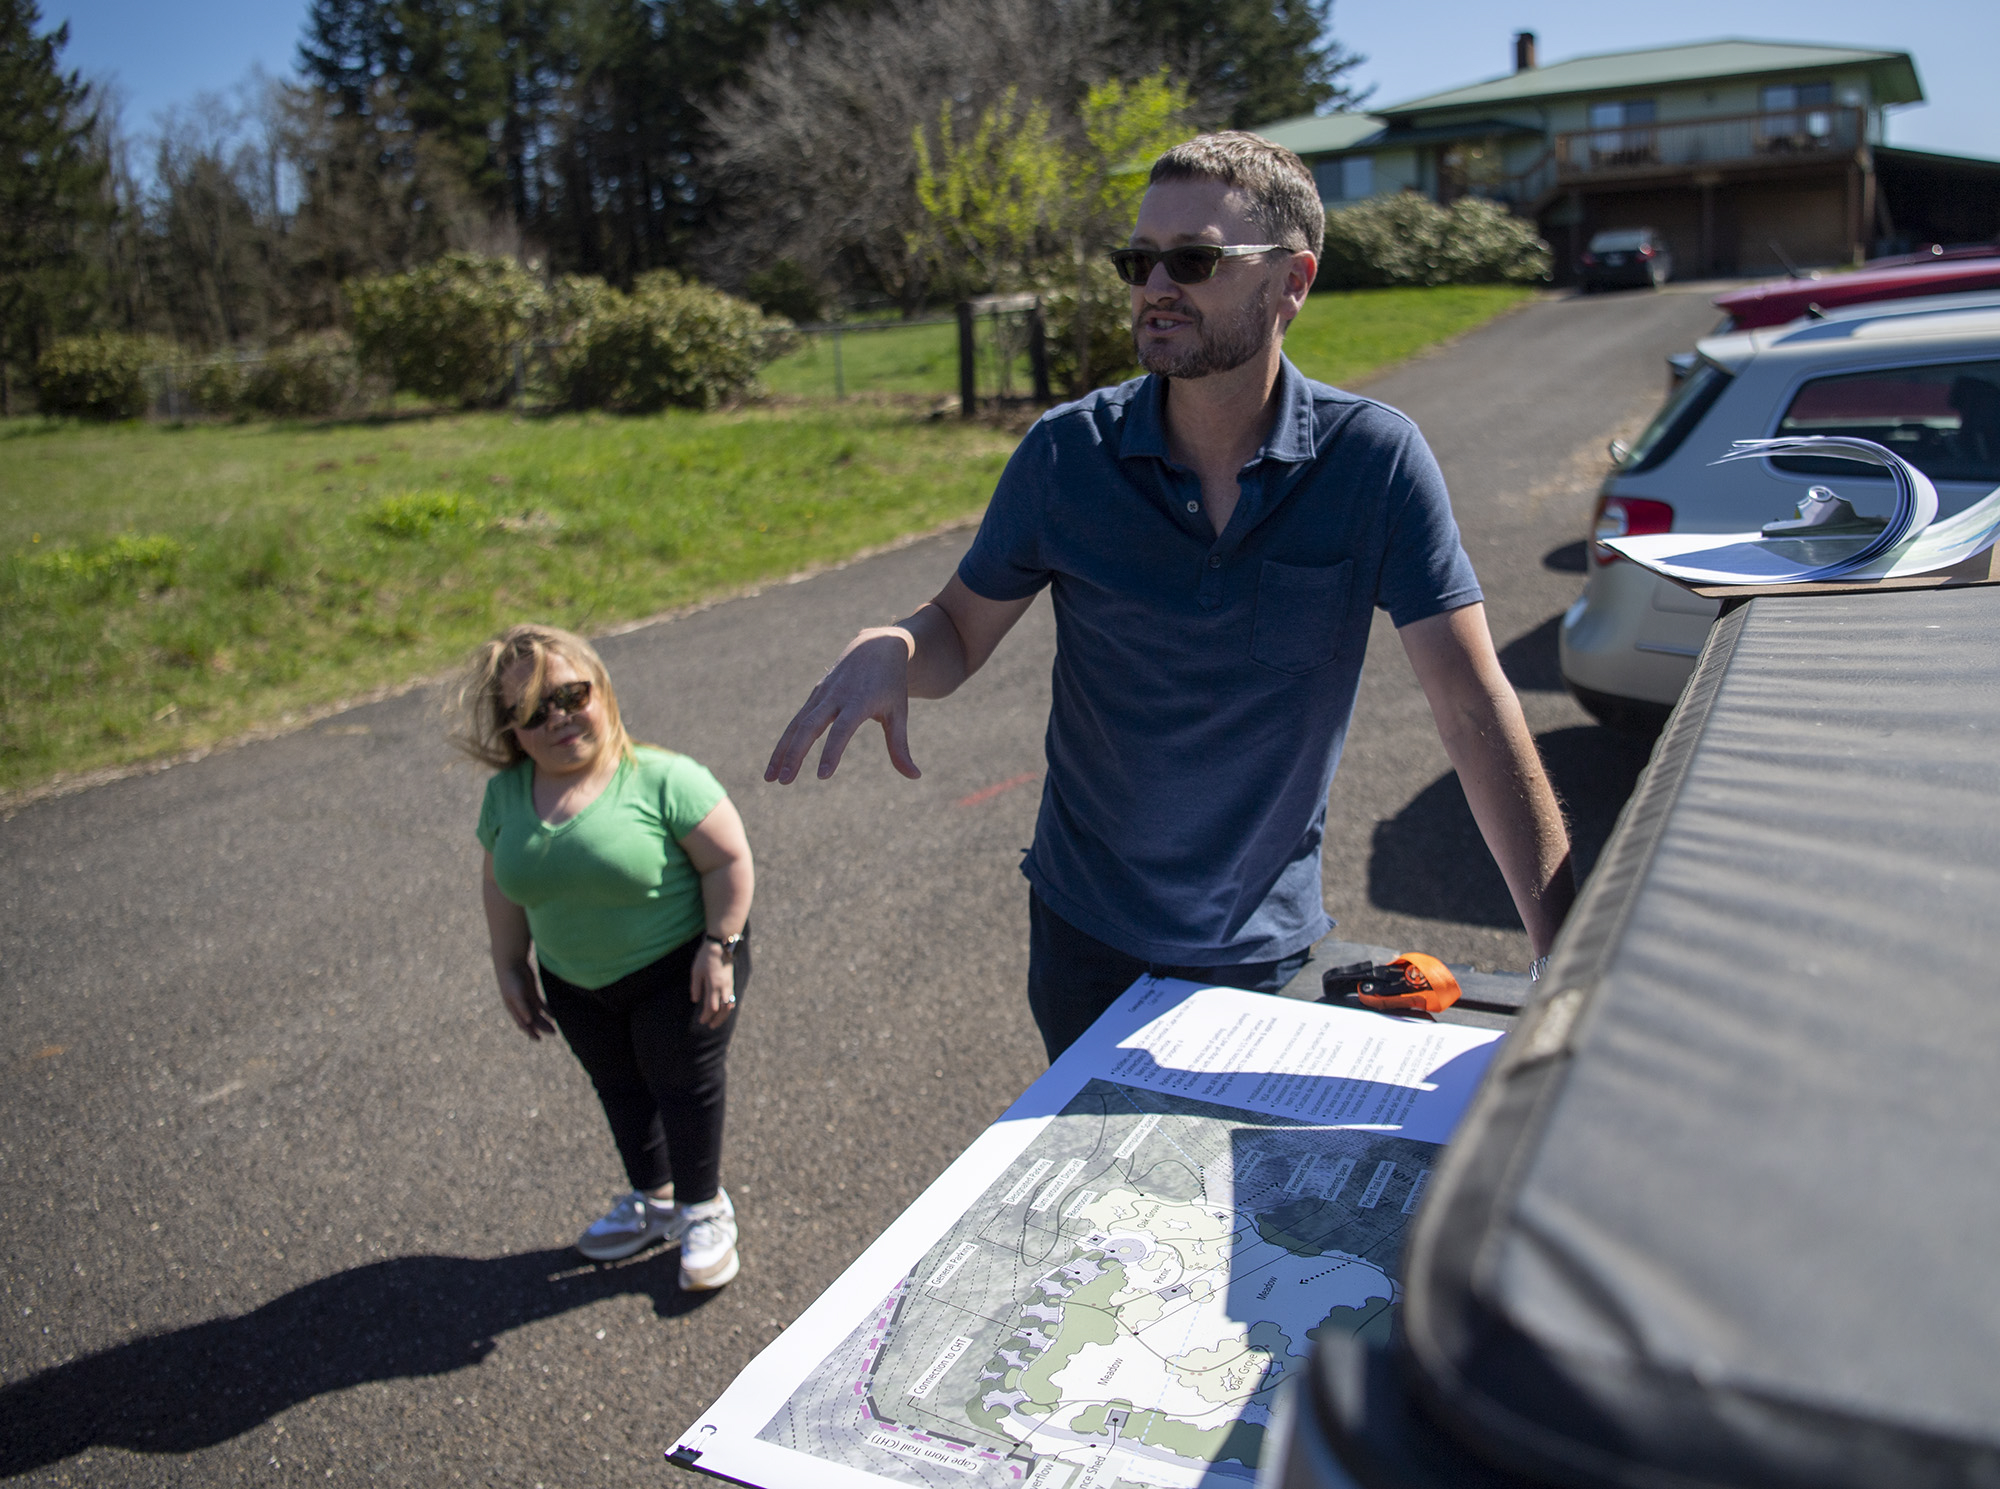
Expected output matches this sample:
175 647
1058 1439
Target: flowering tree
1019 202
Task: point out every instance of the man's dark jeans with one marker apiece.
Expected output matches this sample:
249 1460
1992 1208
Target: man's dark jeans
1073 977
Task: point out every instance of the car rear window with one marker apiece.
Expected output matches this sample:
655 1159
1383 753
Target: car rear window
1615 242
1677 417
1944 419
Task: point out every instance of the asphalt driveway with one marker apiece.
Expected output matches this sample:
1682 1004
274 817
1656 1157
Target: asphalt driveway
283 1195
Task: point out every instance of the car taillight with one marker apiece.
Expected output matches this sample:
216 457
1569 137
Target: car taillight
1627 517
1589 258
1648 251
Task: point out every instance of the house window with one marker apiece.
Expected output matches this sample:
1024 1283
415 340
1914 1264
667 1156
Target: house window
1798 110
1621 112
1622 132
1347 179
1943 419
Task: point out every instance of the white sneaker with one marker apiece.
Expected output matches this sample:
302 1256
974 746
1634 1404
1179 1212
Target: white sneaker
708 1243
633 1223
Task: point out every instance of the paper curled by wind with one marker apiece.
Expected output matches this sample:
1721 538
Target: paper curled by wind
1913 542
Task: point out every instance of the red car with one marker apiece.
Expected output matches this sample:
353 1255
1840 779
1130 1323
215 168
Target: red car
1781 300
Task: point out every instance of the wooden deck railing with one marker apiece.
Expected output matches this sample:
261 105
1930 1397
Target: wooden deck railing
1795 134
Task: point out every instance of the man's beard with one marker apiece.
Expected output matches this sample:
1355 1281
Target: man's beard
1225 347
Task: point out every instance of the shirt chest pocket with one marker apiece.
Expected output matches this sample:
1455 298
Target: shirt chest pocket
1301 615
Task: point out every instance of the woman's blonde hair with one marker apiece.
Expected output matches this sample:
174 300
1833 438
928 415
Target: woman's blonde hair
485 729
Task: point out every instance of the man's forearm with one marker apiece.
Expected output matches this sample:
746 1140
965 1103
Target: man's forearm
937 653
1484 732
1517 812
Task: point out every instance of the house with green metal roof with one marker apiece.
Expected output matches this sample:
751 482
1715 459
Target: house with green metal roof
1748 155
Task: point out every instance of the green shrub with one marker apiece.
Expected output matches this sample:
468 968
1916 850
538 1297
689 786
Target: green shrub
213 385
569 302
418 514
1113 358
668 342
787 290
446 330
1406 239
149 562
312 375
96 377
1487 244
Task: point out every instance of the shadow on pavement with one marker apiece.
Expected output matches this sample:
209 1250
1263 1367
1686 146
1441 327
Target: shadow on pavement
1571 558
1430 861
1531 662
409 1316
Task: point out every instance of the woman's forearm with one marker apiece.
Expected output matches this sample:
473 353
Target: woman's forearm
507 929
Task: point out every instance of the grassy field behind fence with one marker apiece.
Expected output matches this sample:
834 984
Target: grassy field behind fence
1338 338
162 588
899 359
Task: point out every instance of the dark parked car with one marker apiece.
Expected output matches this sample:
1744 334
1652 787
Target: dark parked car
1625 258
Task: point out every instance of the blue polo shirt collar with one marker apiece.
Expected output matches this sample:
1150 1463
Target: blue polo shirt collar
1290 442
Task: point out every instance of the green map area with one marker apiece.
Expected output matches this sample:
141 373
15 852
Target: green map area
1120 1304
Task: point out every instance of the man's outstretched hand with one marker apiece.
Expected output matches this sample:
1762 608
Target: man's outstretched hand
926 655
870 681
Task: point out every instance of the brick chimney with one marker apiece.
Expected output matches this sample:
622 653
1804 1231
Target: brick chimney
1524 51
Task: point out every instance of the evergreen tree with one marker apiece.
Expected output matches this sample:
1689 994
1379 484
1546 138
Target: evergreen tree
51 186
438 64
634 192
1251 62
346 50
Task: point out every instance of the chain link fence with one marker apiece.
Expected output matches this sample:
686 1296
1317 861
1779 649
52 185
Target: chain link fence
993 350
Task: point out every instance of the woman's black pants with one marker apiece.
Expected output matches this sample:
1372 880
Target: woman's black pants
660 1074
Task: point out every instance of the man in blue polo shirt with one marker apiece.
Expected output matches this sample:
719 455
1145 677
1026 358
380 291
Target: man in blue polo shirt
1215 538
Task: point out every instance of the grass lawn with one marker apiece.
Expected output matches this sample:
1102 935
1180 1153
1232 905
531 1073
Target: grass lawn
163 588
1344 338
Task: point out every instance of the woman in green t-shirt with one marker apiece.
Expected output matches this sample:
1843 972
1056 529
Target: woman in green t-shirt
626 869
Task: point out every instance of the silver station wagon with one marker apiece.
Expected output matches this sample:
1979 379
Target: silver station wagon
1921 377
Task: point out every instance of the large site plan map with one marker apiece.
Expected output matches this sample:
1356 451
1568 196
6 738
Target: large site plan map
1121 1303
1115 1303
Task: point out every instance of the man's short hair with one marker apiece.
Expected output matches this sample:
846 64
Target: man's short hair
1284 202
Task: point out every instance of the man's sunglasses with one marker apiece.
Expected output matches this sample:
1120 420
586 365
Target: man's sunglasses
570 697
1191 263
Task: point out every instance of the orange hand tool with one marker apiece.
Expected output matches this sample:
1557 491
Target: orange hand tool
1412 983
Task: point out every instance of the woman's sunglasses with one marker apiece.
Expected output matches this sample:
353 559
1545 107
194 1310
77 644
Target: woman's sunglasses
1191 263
570 697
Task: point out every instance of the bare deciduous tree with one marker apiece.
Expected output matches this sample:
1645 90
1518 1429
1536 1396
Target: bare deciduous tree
215 229
817 150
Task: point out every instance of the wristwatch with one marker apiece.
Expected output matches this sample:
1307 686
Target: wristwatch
727 943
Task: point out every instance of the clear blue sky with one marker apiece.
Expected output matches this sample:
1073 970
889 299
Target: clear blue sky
164 54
